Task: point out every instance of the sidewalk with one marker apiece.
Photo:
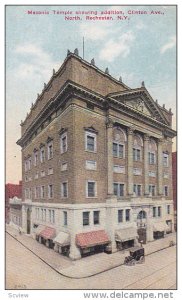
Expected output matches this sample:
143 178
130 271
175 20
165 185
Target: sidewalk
88 266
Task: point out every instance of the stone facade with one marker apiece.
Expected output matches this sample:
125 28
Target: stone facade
92 145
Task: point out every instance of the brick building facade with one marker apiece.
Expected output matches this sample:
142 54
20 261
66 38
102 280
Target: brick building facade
96 162
11 190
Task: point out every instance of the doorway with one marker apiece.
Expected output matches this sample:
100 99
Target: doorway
28 221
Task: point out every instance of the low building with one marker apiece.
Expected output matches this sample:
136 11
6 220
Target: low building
16 212
11 190
97 163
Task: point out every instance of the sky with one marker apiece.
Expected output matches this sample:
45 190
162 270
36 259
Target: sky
140 47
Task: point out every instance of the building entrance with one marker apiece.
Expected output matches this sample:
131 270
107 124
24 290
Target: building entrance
28 221
141 227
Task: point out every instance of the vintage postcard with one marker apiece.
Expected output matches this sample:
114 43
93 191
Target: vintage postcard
91 149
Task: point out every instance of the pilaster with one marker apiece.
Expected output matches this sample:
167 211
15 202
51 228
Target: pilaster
130 161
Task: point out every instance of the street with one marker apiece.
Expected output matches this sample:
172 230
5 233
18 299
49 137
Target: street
25 270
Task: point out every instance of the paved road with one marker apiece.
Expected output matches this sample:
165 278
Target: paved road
23 268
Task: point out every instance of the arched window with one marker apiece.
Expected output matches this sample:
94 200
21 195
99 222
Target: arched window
119 139
137 147
142 215
152 148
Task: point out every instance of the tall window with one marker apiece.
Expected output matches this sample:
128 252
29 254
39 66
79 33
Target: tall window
29 163
159 211
65 218
154 212
136 154
42 191
64 189
137 189
35 158
64 143
91 189
118 150
120 215
127 215
166 191
50 150
96 217
151 157
36 192
118 189
168 209
52 216
152 190
86 218
42 155
90 142
165 160
50 191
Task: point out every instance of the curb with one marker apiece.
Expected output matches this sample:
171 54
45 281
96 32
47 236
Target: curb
81 277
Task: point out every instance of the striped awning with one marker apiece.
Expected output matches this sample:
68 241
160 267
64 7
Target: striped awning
39 229
92 238
126 234
48 233
160 226
62 239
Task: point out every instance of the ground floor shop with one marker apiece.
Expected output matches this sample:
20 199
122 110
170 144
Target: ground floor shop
84 229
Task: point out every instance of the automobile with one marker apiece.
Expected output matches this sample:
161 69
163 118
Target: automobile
137 255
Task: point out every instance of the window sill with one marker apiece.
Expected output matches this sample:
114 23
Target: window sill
91 197
90 151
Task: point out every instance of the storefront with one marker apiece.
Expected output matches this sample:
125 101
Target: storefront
46 236
92 242
126 238
159 229
62 243
37 231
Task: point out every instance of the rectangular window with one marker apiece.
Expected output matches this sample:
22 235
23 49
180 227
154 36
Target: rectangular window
50 191
53 216
127 215
166 191
90 142
118 189
120 215
64 143
26 165
154 212
152 190
168 209
42 155
65 218
35 158
136 154
91 165
64 166
159 211
165 160
96 217
118 150
137 189
44 214
65 189
42 191
151 157
50 150
86 218
91 189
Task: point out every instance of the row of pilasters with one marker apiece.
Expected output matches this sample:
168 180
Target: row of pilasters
130 162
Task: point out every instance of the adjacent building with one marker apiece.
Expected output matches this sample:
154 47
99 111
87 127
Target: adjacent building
11 191
174 177
96 163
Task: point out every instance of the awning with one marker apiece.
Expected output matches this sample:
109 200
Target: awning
92 238
48 233
160 226
62 238
126 234
39 229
